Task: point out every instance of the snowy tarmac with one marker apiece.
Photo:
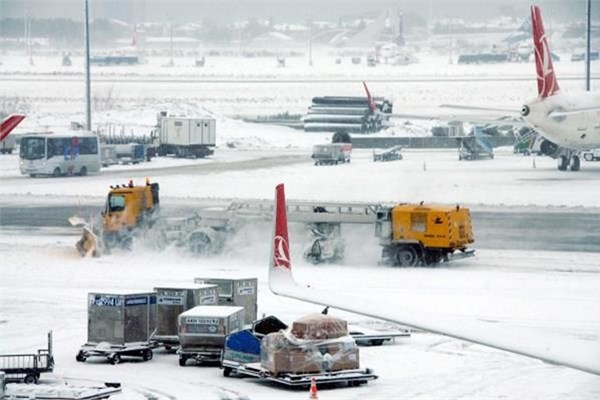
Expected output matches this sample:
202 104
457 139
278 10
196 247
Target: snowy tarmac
44 282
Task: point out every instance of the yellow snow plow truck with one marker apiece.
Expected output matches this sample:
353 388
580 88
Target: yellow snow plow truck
413 234
128 207
132 212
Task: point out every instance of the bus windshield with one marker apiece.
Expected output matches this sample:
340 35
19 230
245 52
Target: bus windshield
32 148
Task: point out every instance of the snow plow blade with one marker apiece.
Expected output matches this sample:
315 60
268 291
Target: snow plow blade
88 244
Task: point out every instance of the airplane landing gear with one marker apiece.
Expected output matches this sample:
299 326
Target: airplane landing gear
575 163
570 160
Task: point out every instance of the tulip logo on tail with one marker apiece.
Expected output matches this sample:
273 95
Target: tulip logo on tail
281 249
546 79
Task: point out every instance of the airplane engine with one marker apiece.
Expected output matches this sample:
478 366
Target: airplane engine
550 149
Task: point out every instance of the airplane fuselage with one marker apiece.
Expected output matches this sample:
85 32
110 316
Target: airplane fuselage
576 131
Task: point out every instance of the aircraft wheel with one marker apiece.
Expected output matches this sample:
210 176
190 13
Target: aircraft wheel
563 162
575 163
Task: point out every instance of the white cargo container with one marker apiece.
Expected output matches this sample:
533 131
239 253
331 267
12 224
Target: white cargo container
241 292
202 331
186 136
172 301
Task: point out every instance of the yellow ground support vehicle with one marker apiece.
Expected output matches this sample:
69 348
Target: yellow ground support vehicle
423 234
133 212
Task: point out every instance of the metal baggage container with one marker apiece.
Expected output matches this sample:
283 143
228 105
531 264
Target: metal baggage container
172 301
237 292
202 331
121 318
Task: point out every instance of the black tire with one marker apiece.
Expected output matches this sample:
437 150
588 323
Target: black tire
575 163
147 355
200 243
115 359
406 256
30 379
56 172
227 371
563 163
182 361
588 157
80 357
376 342
83 171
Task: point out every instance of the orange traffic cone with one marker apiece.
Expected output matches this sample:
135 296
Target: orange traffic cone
313 390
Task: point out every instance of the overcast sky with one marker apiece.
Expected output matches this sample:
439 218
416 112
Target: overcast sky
285 10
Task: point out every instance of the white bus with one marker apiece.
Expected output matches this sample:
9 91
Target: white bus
74 153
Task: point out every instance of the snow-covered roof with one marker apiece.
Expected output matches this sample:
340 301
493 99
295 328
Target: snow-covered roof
211 311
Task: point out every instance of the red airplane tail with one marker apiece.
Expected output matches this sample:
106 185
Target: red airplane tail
546 78
372 105
281 248
9 124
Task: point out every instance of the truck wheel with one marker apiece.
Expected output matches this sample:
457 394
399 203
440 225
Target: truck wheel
30 379
406 256
147 355
182 361
115 359
227 371
56 172
200 243
588 157
80 357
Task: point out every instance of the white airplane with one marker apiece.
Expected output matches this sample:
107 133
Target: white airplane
569 122
583 355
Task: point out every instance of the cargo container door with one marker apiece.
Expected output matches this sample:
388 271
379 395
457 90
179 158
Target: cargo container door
212 140
105 318
137 319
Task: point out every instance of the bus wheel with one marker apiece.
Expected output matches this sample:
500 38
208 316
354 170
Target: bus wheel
83 171
56 172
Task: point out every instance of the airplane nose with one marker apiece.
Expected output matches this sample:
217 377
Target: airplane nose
525 111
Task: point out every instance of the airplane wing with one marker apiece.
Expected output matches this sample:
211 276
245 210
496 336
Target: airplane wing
583 355
562 113
472 119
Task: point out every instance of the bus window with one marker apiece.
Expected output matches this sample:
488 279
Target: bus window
116 203
32 148
88 145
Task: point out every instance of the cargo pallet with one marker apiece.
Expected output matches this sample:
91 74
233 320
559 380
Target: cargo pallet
28 367
353 377
114 353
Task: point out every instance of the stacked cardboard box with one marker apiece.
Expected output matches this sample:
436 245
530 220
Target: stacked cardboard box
316 343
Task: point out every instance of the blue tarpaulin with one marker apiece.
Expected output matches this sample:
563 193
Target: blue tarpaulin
243 341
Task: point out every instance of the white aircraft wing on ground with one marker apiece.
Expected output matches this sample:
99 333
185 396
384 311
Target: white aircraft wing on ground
582 354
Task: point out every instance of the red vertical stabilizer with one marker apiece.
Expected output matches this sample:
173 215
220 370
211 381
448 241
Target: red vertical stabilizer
281 247
372 105
546 78
9 124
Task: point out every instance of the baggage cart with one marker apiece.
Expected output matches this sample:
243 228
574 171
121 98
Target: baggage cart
202 332
28 367
353 377
120 324
171 302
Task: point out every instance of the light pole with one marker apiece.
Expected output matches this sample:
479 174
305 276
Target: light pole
88 89
588 44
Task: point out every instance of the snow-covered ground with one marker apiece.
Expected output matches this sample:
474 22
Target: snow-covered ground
44 282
